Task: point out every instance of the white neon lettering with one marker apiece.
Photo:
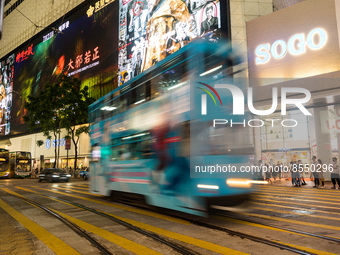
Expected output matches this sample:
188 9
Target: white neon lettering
297 44
262 53
274 50
322 39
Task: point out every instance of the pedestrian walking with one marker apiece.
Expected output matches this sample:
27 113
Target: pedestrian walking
315 174
296 174
301 171
321 174
335 175
292 172
268 173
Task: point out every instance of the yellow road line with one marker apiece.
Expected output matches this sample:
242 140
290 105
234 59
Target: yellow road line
118 240
298 195
292 221
193 241
295 213
258 225
121 241
311 190
139 211
83 185
286 202
53 242
308 249
81 192
295 199
77 188
266 227
295 208
32 191
186 239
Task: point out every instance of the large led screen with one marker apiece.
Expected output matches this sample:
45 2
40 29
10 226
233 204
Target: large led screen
151 30
83 46
6 93
104 43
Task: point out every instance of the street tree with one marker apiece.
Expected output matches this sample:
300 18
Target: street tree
44 113
76 100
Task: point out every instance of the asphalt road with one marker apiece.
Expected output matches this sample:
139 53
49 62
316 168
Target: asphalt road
301 219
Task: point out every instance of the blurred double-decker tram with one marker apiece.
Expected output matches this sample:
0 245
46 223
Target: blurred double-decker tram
143 135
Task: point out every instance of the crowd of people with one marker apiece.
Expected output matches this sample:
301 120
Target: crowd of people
297 171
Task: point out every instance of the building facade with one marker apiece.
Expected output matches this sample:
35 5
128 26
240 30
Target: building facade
252 22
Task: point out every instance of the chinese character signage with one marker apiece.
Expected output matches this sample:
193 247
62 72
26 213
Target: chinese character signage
23 55
78 46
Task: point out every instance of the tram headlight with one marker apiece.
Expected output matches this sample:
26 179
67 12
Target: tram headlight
204 186
6 174
238 183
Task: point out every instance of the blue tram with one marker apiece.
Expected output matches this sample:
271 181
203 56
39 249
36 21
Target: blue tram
150 140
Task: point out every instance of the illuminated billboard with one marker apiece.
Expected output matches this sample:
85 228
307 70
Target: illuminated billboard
82 45
104 43
6 93
151 30
297 42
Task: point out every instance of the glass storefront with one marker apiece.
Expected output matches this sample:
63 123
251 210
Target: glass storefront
317 135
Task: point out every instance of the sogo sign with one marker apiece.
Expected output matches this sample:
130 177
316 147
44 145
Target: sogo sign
297 45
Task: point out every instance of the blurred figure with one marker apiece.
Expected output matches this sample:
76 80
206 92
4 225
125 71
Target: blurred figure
335 175
300 166
259 174
296 174
321 175
315 174
268 174
275 169
291 171
160 145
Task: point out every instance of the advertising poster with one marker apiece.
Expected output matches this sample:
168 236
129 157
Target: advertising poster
82 46
149 31
6 94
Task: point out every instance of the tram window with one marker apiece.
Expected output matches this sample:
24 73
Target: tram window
139 149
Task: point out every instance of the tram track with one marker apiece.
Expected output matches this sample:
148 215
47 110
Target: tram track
283 246
102 249
206 225
328 238
178 248
276 244
244 235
